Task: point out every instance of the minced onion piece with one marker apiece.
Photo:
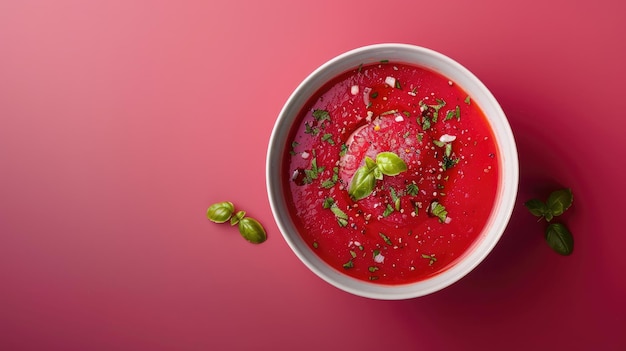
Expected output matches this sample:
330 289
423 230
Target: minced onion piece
354 89
366 96
391 81
446 138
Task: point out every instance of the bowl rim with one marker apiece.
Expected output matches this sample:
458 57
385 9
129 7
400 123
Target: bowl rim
479 93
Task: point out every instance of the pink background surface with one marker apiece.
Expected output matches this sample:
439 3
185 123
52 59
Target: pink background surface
122 121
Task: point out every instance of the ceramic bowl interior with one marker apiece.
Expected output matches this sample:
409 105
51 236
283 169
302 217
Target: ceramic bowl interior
478 92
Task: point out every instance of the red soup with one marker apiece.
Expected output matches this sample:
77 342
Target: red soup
392 172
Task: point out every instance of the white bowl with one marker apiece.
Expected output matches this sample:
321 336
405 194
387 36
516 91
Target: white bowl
478 92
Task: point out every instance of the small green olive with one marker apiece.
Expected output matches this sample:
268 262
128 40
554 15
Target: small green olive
220 212
252 230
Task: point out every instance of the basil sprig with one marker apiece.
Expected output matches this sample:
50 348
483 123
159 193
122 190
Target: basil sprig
557 203
557 235
364 180
249 228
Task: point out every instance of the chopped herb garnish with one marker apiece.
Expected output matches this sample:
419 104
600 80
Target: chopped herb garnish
348 264
384 61
449 115
467 100
328 138
328 202
406 113
425 123
420 137
395 198
448 162
406 135
373 277
321 115
390 112
438 143
360 68
456 113
372 269
439 211
309 129
375 253
293 146
412 189
342 222
431 258
398 86
430 113
448 149
388 210
385 238
327 184
374 95
314 172
344 149
315 245
342 217
353 254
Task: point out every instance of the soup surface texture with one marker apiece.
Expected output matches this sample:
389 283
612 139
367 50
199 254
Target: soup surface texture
392 171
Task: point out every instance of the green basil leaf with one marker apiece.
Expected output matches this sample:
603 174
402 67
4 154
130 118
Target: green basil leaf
536 207
559 201
362 184
220 212
560 239
378 174
390 164
237 217
251 230
369 163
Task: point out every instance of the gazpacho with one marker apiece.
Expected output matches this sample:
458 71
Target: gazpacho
392 171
